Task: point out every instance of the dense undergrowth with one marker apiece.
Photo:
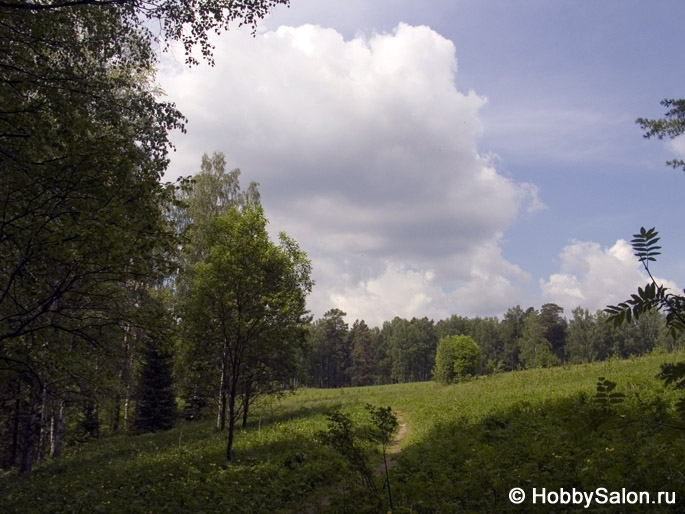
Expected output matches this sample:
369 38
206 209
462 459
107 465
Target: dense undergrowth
466 447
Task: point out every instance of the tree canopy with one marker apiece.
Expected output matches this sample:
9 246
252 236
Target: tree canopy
189 22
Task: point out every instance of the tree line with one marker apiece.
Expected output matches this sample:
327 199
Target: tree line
404 350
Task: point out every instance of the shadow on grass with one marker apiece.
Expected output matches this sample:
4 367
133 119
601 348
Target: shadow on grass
471 467
181 470
111 449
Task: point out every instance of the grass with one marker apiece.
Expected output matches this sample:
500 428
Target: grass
466 446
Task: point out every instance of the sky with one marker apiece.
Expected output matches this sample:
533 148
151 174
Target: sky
450 156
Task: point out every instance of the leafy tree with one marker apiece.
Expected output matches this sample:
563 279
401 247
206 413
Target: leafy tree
452 326
605 336
211 193
82 231
84 146
246 301
511 330
456 358
535 349
343 437
581 340
638 337
346 438
485 333
555 327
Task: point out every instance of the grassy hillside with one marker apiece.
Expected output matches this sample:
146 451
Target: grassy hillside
467 445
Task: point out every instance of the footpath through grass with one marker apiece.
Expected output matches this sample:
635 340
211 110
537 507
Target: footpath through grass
466 446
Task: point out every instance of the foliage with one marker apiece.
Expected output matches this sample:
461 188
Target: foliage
189 22
555 327
364 342
674 375
329 351
535 348
511 330
671 125
653 296
155 400
411 346
85 232
582 339
211 193
71 237
338 355
246 304
456 358
341 436
384 425
349 441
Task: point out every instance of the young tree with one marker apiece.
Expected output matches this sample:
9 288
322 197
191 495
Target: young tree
246 301
211 193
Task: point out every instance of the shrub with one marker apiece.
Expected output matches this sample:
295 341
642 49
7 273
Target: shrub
456 358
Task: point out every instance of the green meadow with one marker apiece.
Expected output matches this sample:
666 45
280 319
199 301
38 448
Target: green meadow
465 447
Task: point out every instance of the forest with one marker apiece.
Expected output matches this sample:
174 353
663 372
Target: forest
130 305
404 350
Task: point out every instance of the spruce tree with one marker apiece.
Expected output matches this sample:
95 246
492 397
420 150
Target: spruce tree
156 405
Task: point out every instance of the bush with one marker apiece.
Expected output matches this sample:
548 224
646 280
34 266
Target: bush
456 358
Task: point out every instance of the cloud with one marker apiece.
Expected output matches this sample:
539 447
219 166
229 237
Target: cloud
491 285
677 146
367 154
593 277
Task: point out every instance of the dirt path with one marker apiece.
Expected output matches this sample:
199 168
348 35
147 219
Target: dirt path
392 451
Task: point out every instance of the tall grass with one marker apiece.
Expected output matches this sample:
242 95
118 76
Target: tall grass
467 444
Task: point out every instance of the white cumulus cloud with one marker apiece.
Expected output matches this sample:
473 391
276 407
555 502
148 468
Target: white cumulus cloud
593 277
367 154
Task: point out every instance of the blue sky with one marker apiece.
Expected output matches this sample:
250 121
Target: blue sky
450 157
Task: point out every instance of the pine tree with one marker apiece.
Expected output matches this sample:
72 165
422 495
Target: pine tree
156 405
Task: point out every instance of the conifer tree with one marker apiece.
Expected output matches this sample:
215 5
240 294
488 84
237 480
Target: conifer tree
156 405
